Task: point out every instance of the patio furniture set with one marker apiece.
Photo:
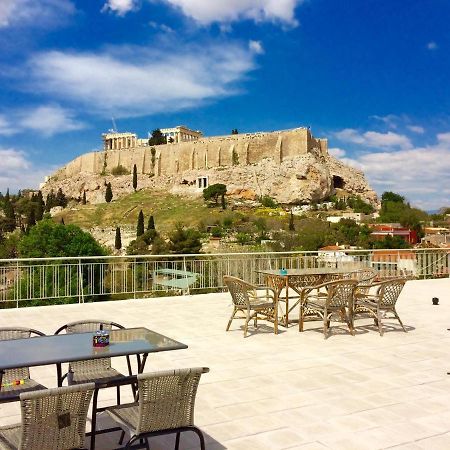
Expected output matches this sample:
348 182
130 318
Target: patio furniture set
321 294
56 418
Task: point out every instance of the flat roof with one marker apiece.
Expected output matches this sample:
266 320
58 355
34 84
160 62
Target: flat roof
292 390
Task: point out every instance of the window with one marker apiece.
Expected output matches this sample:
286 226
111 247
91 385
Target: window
202 182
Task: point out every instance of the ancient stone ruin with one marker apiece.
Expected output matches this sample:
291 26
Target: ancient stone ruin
291 166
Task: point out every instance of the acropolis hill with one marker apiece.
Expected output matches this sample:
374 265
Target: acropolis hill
291 166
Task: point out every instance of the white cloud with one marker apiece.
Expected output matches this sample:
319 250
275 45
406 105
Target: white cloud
50 120
210 11
416 129
374 138
6 127
18 172
120 7
432 45
132 81
390 120
256 47
34 12
337 152
45 120
422 174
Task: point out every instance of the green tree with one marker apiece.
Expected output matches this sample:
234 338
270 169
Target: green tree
49 239
134 178
184 240
389 196
9 222
140 224
157 138
61 199
108 193
151 223
291 222
118 239
214 191
31 219
40 206
234 131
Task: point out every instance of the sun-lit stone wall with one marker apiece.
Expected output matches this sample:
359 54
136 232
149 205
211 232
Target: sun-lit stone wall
205 153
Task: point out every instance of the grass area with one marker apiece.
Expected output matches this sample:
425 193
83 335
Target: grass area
167 209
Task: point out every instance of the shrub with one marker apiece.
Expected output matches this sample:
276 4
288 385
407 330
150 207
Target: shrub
120 170
268 202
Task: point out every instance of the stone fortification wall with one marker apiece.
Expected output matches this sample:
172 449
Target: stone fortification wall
205 153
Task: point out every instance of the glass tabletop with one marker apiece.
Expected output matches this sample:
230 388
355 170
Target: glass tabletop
309 271
61 348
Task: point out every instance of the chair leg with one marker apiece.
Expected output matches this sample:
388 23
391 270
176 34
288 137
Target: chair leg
177 441
326 323
398 318
118 395
200 436
247 320
122 436
380 325
231 318
300 318
349 322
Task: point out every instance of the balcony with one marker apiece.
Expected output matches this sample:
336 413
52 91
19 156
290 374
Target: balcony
292 390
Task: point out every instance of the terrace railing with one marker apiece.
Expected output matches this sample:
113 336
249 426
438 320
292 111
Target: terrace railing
59 280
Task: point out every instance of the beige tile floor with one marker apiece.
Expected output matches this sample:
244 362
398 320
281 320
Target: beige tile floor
295 390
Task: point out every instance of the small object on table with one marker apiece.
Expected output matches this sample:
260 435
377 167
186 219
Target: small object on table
100 339
283 272
435 301
13 383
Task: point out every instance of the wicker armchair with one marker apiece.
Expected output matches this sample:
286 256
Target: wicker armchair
337 298
51 419
365 278
95 369
166 405
253 301
9 390
381 302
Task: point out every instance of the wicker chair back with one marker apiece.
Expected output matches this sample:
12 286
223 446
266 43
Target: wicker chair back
341 293
6 334
389 292
167 398
238 289
55 418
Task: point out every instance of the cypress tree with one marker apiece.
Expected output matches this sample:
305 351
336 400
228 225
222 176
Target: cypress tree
134 178
108 193
291 222
151 223
31 220
140 224
40 206
61 199
84 198
118 240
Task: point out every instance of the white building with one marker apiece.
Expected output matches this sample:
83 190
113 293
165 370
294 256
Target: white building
181 133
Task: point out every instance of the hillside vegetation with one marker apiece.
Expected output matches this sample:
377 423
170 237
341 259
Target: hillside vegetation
167 209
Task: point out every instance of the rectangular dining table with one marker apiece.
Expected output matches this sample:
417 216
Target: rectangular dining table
279 280
64 348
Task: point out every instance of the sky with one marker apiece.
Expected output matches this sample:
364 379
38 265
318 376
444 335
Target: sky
372 76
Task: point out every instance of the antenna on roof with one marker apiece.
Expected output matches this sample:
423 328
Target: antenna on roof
114 128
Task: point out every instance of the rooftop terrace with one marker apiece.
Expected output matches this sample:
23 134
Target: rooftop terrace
290 391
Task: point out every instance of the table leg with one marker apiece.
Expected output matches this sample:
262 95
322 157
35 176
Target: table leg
1 378
286 316
142 364
58 374
94 418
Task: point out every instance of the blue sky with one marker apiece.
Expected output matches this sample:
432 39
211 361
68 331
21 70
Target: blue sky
372 76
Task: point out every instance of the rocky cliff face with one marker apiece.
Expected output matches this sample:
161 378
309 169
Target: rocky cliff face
306 178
